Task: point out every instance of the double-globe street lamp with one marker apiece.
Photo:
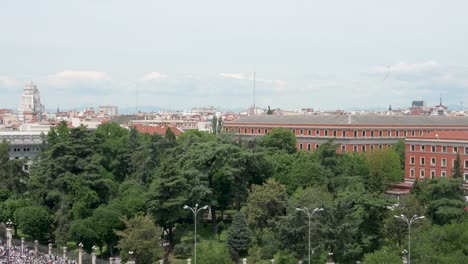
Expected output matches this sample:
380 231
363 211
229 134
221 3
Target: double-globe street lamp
309 215
409 222
195 211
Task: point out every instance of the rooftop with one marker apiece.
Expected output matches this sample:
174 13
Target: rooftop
353 120
157 129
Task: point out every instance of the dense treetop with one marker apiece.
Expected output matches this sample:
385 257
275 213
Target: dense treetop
121 190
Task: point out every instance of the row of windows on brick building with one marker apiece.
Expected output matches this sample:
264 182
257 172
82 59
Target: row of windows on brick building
363 148
443 149
433 162
334 133
432 174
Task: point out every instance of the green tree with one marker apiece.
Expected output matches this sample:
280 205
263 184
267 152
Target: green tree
170 136
383 256
213 254
167 196
238 237
394 229
306 171
399 148
142 237
265 204
281 165
285 257
443 198
269 111
220 125
292 229
440 244
62 223
12 176
105 221
255 168
214 125
34 221
384 168
81 231
457 170
113 146
210 167
131 200
71 180
281 139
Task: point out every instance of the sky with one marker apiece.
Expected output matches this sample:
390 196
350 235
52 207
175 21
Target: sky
180 54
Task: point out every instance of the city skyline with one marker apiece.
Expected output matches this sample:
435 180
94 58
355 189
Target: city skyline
326 55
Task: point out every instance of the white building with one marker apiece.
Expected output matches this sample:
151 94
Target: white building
108 110
30 107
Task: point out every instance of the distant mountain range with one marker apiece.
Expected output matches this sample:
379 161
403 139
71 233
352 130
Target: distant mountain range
146 109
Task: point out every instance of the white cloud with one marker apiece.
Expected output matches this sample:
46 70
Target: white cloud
7 81
407 68
73 76
154 76
240 76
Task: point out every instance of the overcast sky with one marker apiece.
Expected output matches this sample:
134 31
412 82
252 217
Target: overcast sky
180 54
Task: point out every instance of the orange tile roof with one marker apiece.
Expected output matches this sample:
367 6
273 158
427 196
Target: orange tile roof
157 129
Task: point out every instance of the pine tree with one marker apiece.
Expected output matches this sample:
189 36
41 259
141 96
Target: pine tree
219 127
457 171
133 140
167 197
239 236
214 125
269 111
170 136
416 189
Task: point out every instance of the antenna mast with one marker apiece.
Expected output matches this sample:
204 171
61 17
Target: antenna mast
254 107
136 99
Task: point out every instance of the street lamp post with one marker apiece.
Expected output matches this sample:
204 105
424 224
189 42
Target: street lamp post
309 215
80 254
409 222
195 211
405 259
36 243
9 223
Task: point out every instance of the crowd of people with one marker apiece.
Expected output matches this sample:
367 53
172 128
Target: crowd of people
18 255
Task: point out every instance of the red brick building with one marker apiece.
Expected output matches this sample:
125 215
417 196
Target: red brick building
433 155
357 133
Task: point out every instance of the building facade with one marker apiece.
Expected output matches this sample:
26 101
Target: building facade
23 144
353 133
30 108
109 110
433 155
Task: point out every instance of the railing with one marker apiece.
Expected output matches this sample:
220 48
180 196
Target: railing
71 255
